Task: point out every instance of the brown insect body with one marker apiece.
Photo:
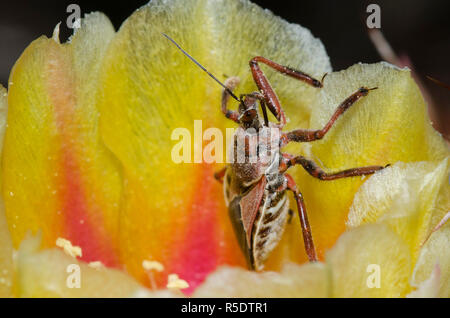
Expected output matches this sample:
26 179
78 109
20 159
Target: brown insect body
256 181
255 193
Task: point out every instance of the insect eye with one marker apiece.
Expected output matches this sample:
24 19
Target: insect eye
249 114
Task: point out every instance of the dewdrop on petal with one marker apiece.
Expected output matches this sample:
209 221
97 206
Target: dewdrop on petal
176 283
69 249
152 265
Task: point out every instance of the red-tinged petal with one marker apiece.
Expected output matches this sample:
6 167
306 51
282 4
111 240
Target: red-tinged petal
175 213
57 175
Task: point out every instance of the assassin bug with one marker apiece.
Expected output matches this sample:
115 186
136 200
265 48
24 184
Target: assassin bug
256 190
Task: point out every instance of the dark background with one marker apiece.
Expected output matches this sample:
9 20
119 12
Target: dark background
418 28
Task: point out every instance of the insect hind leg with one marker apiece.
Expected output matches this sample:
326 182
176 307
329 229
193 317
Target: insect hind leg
306 228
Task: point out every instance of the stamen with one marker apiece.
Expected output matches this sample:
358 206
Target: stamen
96 265
69 249
176 283
152 265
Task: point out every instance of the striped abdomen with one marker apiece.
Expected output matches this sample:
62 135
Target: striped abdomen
269 226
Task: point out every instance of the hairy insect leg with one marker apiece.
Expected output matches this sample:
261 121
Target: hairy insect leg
303 135
314 170
231 83
266 89
220 174
306 228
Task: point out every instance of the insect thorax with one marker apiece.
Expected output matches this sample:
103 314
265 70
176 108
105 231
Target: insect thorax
253 152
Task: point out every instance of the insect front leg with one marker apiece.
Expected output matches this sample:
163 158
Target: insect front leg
314 170
231 83
303 135
266 89
304 223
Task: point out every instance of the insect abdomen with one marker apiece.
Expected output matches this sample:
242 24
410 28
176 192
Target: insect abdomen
269 226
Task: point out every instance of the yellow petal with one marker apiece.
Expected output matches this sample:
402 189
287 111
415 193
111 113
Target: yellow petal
57 174
404 196
435 252
370 261
3 114
442 206
308 280
51 273
389 125
6 249
175 213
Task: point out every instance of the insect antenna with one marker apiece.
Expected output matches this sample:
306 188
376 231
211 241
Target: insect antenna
438 82
202 67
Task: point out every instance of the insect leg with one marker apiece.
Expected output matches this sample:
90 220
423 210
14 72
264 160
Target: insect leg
220 174
231 83
303 135
266 89
306 229
314 170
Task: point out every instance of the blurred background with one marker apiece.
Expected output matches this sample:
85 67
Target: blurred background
419 29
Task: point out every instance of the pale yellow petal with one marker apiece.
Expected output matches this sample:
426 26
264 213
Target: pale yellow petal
308 280
404 196
6 254
429 288
370 261
436 251
51 273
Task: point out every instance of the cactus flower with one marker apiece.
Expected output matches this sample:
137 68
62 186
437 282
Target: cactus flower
86 162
